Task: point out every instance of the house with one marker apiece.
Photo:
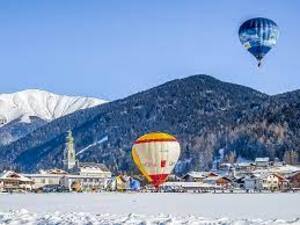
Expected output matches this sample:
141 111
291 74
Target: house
194 176
270 182
277 162
225 168
252 183
11 181
262 162
283 183
93 169
222 181
173 178
238 182
243 168
88 177
46 178
123 183
84 182
295 180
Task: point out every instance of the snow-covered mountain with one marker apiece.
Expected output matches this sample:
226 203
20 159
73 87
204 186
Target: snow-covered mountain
24 111
42 104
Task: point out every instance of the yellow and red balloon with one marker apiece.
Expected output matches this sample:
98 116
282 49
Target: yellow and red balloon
155 155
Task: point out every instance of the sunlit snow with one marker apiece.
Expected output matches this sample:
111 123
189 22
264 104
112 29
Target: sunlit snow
150 208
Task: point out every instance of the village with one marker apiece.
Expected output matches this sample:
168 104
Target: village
259 176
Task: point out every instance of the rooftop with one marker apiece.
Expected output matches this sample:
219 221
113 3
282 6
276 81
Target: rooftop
94 165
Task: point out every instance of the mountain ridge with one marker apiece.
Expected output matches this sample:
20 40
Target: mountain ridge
23 111
205 114
51 106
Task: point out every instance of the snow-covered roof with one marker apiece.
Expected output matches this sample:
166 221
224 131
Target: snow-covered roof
11 175
243 164
213 178
202 174
262 159
286 169
188 184
53 171
94 165
196 174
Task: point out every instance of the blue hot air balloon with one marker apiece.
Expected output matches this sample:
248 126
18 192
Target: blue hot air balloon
259 36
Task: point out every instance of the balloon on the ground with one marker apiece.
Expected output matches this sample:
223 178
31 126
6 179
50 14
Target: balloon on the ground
155 155
259 36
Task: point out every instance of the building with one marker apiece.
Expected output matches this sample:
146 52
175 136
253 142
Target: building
252 183
46 178
88 176
171 178
262 162
244 167
84 182
123 183
283 183
93 169
69 161
295 180
194 176
11 181
270 182
221 181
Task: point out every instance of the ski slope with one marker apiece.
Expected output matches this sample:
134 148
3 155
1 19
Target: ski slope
150 208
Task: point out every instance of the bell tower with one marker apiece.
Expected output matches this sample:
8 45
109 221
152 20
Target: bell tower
69 153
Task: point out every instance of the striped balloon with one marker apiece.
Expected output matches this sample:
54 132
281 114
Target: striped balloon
155 155
259 36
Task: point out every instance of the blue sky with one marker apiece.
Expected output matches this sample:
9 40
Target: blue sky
110 49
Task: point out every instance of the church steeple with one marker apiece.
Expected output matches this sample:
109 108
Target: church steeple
69 152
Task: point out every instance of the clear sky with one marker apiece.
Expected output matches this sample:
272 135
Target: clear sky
110 49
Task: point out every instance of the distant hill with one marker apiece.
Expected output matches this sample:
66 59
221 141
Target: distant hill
205 114
24 111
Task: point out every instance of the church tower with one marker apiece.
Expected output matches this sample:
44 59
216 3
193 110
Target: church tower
69 153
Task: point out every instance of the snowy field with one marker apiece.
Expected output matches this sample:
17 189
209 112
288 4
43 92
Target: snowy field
150 208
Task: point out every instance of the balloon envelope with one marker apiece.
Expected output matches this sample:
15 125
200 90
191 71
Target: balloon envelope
155 155
259 36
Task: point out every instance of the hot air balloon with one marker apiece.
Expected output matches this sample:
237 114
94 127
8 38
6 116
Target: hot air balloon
259 36
155 155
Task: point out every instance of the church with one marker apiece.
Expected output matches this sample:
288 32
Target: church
89 175
75 175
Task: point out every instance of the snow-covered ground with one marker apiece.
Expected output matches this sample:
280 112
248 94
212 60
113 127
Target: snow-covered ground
150 208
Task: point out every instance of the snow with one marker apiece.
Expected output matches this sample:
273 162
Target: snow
25 217
102 140
42 104
150 208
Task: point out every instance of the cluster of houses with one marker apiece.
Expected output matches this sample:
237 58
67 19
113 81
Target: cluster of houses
76 176
56 180
260 175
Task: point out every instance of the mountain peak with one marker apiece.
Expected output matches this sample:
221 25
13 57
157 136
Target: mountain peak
40 103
